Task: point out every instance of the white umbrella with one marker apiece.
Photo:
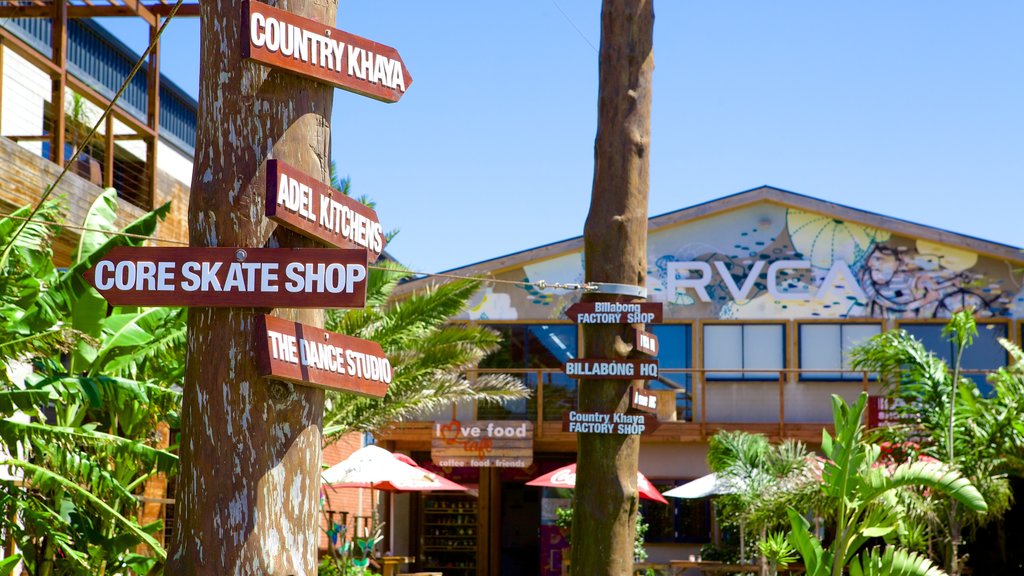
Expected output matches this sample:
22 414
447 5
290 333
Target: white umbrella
372 465
704 486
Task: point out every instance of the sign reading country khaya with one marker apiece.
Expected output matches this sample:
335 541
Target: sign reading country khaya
232 277
611 369
305 205
312 356
615 312
309 48
608 423
483 444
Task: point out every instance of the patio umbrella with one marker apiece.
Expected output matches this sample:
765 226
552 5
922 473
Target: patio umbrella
430 482
372 467
702 487
565 477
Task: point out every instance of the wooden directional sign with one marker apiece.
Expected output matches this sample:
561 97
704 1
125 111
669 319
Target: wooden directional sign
315 210
645 342
615 312
232 277
314 357
643 400
605 423
611 369
308 48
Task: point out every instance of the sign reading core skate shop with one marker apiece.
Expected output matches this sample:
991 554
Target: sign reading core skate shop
308 48
305 205
314 357
232 277
611 369
483 444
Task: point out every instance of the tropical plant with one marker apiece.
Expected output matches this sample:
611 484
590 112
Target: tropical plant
563 520
82 389
777 550
862 494
983 437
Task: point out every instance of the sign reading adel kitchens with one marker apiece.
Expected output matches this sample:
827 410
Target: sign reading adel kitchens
308 48
483 444
232 277
305 205
314 357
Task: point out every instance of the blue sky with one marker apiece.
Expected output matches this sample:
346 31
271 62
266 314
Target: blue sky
911 109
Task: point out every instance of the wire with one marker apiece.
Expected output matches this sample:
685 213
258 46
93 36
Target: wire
573 24
102 118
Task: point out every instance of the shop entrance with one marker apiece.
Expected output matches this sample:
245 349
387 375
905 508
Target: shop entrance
520 522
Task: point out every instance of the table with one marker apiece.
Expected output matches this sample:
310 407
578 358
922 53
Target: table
389 564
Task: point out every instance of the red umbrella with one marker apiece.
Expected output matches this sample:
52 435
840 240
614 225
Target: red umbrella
429 482
565 477
374 474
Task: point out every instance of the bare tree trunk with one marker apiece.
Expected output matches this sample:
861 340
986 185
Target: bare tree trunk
615 248
250 448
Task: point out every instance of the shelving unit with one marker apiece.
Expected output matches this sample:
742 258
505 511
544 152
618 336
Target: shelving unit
449 540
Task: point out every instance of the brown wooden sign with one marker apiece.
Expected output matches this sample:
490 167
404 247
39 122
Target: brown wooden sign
643 400
611 369
615 312
308 48
232 277
314 357
604 423
304 204
483 444
645 342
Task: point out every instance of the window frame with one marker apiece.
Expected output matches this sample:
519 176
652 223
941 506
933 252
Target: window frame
761 376
841 322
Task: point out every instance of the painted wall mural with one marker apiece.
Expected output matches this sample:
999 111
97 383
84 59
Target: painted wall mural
768 261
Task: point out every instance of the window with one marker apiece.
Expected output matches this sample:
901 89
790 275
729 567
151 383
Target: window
758 349
534 346
828 346
681 521
675 343
984 354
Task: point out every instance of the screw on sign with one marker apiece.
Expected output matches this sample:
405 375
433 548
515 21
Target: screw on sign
232 277
309 48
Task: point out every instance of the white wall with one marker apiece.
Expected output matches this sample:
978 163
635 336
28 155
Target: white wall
25 89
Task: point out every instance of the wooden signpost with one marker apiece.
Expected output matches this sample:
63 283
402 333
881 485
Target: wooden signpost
608 423
309 48
314 357
643 400
611 369
232 277
305 205
483 444
645 342
615 312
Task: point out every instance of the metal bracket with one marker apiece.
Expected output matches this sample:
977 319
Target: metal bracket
618 289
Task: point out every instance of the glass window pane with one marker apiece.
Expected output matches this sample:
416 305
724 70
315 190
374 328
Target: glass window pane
723 350
930 335
764 347
854 335
674 351
549 346
985 354
820 349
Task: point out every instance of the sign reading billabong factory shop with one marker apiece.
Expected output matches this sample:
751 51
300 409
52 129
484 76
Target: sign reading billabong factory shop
232 277
608 423
314 357
309 48
611 369
315 210
483 444
615 312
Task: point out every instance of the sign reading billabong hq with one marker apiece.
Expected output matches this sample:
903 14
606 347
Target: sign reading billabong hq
305 205
606 369
311 356
309 48
232 277
615 312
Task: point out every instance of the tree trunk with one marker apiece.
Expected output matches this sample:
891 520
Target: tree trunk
250 448
615 249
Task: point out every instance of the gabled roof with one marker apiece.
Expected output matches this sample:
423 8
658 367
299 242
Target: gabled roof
760 194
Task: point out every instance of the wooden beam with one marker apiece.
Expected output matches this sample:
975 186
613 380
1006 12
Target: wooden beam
191 10
31 54
140 9
57 85
114 11
120 113
108 156
153 108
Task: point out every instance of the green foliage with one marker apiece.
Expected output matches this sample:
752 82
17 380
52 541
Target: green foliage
564 516
862 494
778 550
82 388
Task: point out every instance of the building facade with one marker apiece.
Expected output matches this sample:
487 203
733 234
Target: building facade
764 292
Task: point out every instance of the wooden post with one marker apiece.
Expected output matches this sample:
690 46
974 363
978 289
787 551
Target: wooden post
58 83
250 448
615 248
153 111
108 153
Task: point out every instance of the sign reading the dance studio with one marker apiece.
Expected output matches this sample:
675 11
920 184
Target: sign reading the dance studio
615 312
611 369
308 48
232 277
306 355
483 444
315 210
603 423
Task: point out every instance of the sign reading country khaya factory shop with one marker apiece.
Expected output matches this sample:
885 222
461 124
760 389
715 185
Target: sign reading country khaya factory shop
305 205
312 49
608 423
232 277
312 356
483 444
